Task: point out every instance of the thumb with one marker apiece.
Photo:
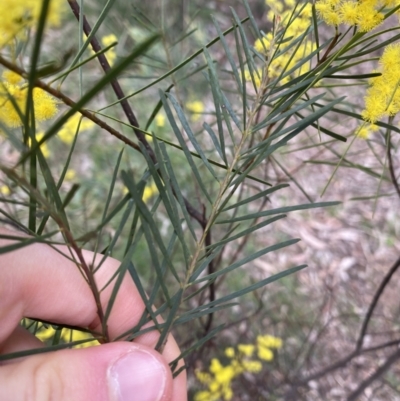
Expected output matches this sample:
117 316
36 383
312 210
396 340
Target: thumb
119 371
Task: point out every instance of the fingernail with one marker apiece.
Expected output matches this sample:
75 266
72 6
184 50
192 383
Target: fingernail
138 376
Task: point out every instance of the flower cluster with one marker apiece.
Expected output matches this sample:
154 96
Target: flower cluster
149 192
67 335
107 41
23 14
72 126
12 86
383 96
365 14
111 53
196 107
288 59
219 378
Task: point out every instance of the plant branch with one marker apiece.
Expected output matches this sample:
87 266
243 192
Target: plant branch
69 102
81 263
125 104
391 167
358 349
374 302
193 212
354 396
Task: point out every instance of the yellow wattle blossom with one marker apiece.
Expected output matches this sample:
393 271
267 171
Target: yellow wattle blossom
5 190
383 96
366 15
107 41
276 6
365 130
269 341
70 175
252 366
67 335
160 120
43 147
68 131
246 349
19 15
45 105
219 378
149 192
196 107
230 352
257 75
262 45
11 77
265 354
287 60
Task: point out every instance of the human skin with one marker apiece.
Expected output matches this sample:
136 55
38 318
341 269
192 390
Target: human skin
38 282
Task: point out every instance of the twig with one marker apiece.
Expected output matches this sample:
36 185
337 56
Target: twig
114 83
87 272
125 104
69 102
358 349
193 212
379 372
330 48
374 302
391 168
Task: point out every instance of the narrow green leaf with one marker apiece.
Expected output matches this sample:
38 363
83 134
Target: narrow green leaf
156 109
279 210
257 196
116 235
214 139
246 47
147 218
189 132
227 52
24 241
248 231
93 32
247 259
42 350
184 146
205 262
250 288
170 319
169 198
143 295
217 104
188 317
120 274
196 346
177 191
114 72
52 188
178 67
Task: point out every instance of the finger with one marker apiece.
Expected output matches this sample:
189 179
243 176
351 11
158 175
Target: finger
19 340
119 371
46 285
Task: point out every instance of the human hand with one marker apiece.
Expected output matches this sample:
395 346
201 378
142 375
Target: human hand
38 282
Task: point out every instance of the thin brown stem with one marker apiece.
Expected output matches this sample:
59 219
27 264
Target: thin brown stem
374 302
69 102
354 396
114 83
193 212
81 262
391 167
358 349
